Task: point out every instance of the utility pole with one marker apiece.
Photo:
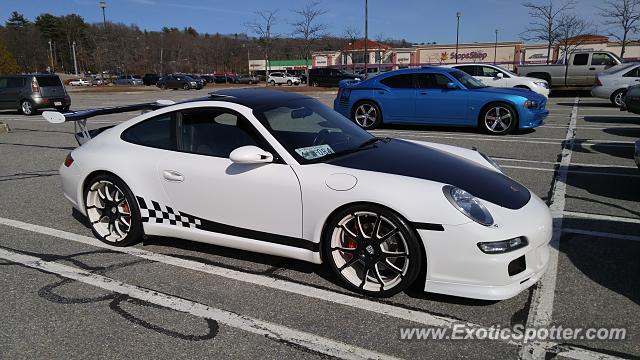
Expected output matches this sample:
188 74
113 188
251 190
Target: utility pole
366 35
458 14
161 66
51 57
75 63
495 48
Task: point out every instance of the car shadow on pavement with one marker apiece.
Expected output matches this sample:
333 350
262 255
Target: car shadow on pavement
624 151
624 131
452 129
606 119
611 263
625 188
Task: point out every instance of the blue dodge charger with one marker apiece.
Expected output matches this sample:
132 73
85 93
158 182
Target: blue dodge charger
438 96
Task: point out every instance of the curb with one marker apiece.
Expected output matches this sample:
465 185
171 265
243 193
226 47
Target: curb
4 128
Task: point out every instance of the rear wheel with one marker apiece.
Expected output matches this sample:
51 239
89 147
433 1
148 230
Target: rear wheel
314 84
498 119
272 82
26 107
367 115
112 211
617 98
372 250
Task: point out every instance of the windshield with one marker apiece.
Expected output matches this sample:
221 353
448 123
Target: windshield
467 80
311 132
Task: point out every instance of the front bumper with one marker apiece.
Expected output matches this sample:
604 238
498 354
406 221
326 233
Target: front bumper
456 266
532 119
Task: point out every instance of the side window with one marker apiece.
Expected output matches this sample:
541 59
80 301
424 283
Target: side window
489 72
580 59
432 81
469 69
601 59
15 83
403 81
215 132
158 132
3 83
633 73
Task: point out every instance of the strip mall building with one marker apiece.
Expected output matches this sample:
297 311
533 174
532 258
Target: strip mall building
507 54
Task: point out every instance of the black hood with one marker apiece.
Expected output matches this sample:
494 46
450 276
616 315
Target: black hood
401 157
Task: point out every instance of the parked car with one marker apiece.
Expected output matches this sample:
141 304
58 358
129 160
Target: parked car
438 96
329 76
496 76
612 83
280 78
177 82
209 79
97 82
150 79
580 70
128 80
27 93
371 72
201 82
222 79
80 82
247 149
303 78
246 79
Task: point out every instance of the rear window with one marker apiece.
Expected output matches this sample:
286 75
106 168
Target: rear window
48 81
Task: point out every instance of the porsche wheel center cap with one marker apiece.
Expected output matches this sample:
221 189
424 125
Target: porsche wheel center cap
369 249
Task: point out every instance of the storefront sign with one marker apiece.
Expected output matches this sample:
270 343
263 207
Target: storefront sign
320 61
472 55
403 58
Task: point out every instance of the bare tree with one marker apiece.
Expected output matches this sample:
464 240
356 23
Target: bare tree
352 34
570 28
621 15
544 25
263 28
308 29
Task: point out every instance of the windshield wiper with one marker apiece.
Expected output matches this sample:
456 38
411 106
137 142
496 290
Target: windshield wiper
373 140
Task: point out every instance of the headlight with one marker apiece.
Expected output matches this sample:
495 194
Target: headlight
491 161
543 84
531 104
193 83
468 204
499 247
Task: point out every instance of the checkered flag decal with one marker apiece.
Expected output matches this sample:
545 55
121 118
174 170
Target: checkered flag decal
161 214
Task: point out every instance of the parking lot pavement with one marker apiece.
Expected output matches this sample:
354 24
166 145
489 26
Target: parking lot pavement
173 298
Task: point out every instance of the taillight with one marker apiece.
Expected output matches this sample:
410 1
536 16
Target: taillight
35 88
68 161
598 82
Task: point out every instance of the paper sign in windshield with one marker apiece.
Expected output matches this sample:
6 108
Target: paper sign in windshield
315 152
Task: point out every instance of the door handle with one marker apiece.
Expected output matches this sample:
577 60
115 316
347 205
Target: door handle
592 68
171 175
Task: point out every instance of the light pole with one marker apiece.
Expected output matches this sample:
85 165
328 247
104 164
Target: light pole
458 14
103 5
75 63
51 56
366 35
495 48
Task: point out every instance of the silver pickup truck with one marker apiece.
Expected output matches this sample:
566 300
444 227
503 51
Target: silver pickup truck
580 70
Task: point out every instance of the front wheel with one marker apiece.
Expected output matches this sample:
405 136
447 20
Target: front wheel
186 87
372 250
272 82
112 211
289 82
367 115
498 119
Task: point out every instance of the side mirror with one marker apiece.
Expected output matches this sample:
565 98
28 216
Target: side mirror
452 86
250 155
499 75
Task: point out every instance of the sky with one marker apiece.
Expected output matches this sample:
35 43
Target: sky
417 21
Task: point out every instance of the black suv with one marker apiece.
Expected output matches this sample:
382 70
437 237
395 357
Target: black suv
27 93
177 82
329 76
150 79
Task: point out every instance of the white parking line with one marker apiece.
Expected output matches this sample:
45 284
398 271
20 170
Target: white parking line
601 217
273 331
541 309
556 163
291 287
601 234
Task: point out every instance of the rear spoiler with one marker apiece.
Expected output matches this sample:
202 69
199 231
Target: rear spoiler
79 118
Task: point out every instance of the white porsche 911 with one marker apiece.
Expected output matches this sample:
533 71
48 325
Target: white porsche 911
282 174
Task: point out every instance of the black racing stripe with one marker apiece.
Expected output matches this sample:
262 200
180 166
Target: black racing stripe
212 226
141 202
428 226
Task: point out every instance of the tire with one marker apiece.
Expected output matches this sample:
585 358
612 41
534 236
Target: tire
272 82
357 245
114 196
26 108
314 84
498 119
367 115
289 82
617 97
